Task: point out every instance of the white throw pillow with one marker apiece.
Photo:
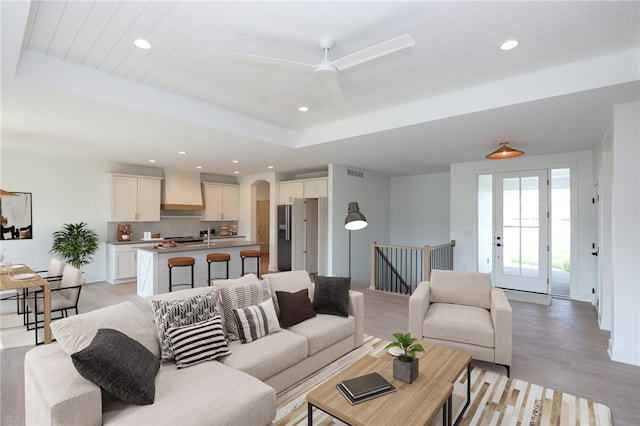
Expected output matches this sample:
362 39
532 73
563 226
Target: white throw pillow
256 321
76 333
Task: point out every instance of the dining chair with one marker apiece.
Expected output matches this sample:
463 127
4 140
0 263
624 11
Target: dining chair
53 274
63 298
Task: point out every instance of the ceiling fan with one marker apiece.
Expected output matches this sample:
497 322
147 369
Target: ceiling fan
326 70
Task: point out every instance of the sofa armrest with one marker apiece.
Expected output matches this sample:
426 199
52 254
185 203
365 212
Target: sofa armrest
418 306
501 316
356 308
55 393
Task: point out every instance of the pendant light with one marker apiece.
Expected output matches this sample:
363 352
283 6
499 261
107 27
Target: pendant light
504 152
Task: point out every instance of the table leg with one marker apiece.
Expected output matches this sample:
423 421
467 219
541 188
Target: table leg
468 395
47 314
309 414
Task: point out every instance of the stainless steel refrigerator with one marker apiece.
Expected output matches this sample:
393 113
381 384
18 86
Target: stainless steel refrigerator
284 237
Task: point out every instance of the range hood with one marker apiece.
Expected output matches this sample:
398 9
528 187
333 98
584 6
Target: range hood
181 191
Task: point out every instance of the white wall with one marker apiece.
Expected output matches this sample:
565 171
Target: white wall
624 345
64 190
464 210
372 194
419 210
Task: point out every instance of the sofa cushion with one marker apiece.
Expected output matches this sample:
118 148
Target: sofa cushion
256 321
289 281
119 365
76 333
331 295
205 394
240 296
176 313
461 288
267 356
199 342
295 307
324 330
459 323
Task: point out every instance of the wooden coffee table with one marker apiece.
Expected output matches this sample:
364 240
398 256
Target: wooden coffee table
415 403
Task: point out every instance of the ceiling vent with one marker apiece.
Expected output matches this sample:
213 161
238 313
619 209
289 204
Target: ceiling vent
355 173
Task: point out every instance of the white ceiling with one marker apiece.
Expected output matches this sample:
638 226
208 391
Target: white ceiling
74 84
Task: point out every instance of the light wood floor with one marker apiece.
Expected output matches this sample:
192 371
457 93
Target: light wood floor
558 346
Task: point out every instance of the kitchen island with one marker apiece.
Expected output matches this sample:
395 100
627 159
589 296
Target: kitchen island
153 272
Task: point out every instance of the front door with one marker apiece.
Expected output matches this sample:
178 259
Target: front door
521 240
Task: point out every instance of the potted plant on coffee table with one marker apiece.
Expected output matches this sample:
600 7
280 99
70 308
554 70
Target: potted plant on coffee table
75 243
405 365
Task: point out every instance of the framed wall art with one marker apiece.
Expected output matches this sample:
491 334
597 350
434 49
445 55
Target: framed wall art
15 217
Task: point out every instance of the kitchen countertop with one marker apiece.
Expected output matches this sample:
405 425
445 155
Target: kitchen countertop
158 240
200 246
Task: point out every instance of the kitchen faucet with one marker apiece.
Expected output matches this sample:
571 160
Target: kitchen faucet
209 236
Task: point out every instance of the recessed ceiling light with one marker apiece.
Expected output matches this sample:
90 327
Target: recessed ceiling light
142 43
182 152
236 172
152 161
303 109
235 161
269 167
198 167
509 44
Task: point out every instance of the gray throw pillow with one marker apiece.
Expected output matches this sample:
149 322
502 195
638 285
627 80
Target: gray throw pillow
121 366
331 295
294 307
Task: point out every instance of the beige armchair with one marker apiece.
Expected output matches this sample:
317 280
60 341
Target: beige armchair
460 310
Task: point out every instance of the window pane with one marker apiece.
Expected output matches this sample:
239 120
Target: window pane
511 251
560 231
511 202
530 260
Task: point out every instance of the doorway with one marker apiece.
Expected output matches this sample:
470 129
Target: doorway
262 220
521 231
525 228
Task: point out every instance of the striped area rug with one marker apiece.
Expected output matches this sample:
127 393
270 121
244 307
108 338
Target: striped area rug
495 399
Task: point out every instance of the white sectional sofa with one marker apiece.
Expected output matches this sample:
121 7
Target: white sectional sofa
237 389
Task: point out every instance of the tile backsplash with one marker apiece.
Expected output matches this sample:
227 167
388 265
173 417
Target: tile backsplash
167 227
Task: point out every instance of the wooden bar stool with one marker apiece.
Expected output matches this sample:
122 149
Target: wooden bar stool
177 262
244 254
218 257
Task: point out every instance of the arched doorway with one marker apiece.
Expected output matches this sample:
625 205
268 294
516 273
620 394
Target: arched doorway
261 219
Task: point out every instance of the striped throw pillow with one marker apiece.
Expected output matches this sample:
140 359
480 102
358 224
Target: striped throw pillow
180 312
240 297
256 321
195 343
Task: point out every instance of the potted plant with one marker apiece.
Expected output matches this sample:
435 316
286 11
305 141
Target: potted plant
405 365
75 243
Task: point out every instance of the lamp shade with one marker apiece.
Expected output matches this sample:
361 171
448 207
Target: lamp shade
504 152
355 220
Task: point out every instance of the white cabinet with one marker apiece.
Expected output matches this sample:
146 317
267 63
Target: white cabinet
221 201
289 190
303 188
135 198
122 262
315 188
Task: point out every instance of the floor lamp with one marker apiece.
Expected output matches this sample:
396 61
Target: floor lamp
354 221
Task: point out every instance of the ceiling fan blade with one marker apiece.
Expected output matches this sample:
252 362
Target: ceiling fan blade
266 60
333 89
373 52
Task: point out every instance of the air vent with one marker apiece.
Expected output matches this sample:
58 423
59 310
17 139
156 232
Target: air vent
355 173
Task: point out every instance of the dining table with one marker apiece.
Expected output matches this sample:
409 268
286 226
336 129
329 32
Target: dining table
21 277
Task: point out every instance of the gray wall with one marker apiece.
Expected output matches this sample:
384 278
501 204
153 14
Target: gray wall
420 210
372 193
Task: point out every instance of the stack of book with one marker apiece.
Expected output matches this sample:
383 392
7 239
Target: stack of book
364 388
